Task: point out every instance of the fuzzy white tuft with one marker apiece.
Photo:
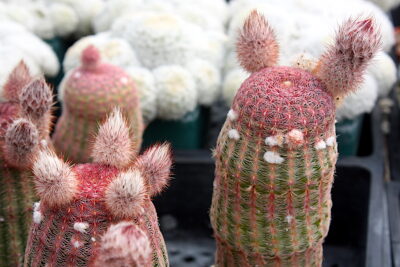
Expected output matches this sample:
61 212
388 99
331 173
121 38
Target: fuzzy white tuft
330 141
295 137
155 166
125 195
232 115
320 145
76 243
276 140
55 181
37 214
81 227
113 145
233 134
273 157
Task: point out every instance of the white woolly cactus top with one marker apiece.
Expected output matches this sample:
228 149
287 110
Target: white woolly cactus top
19 44
181 39
304 32
51 18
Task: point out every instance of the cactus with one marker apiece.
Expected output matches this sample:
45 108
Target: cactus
276 154
24 126
90 93
85 208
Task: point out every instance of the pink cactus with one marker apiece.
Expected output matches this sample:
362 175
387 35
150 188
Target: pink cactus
276 154
79 203
91 91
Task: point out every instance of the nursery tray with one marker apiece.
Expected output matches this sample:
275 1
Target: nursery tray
393 190
393 139
359 232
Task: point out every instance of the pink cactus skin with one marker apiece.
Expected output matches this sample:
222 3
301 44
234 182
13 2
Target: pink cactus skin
276 153
101 195
91 92
20 142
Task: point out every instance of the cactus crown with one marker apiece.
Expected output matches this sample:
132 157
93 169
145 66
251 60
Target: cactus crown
90 57
281 99
110 181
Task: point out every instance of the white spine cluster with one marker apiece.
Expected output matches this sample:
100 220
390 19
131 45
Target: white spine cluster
177 93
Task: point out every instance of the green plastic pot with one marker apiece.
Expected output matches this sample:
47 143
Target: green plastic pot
348 135
186 133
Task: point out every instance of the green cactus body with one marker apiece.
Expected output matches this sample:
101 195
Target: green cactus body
275 160
16 203
90 93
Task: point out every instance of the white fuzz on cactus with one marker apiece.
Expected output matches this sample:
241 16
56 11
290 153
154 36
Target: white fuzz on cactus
55 181
155 165
207 79
177 93
231 84
124 244
113 145
125 195
147 90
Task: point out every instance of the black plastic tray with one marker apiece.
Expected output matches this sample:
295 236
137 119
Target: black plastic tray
359 233
393 189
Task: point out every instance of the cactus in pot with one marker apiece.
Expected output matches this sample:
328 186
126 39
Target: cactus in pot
90 92
84 209
276 153
24 128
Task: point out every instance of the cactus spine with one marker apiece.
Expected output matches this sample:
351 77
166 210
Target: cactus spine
90 93
276 154
24 123
85 208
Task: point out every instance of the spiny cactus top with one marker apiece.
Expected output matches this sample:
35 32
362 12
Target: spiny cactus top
91 92
24 126
276 154
79 203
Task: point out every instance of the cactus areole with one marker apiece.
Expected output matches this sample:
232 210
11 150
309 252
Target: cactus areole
276 154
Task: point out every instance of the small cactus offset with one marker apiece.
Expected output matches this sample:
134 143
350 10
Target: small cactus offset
90 92
24 127
100 213
276 154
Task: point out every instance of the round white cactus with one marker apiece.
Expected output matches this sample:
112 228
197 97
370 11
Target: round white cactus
159 39
64 19
33 49
384 71
147 90
177 94
113 50
231 84
362 101
208 81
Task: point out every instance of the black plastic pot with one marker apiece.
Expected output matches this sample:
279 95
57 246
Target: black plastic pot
393 138
393 190
359 232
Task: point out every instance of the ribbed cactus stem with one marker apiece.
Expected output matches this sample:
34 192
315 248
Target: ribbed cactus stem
20 139
276 153
90 93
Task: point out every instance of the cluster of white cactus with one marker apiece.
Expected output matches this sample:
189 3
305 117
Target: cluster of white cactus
19 44
173 49
302 33
52 18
